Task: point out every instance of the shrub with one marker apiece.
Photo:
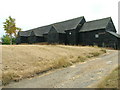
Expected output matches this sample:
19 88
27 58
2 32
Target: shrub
6 40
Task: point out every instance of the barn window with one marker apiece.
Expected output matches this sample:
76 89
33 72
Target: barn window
70 33
96 35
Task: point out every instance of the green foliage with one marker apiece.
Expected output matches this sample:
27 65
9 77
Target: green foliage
10 27
13 40
6 39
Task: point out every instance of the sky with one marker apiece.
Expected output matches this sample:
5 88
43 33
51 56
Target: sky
35 13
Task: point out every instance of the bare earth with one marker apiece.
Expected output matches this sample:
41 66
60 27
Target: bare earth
82 75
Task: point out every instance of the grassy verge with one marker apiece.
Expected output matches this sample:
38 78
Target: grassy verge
111 81
26 61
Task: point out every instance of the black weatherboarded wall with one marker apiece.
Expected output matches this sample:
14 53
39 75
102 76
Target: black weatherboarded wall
56 37
66 31
53 36
34 38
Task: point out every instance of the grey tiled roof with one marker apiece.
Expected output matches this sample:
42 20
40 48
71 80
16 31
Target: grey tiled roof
60 27
37 31
25 33
67 25
42 30
95 24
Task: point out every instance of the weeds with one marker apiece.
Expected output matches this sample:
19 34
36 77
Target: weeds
112 80
62 62
103 50
81 59
95 54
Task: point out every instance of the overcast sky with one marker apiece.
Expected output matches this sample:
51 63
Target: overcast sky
35 13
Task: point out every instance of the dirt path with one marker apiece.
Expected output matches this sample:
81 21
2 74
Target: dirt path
81 75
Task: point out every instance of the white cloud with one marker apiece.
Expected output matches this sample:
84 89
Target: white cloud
34 13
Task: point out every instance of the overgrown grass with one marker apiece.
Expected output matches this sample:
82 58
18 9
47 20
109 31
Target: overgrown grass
112 80
9 76
62 62
25 61
81 59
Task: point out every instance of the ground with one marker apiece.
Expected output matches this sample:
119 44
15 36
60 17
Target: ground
26 61
81 75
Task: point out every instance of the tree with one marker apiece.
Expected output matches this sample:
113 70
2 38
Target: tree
10 28
5 39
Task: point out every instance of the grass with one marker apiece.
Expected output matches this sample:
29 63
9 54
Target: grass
25 61
62 62
111 81
81 59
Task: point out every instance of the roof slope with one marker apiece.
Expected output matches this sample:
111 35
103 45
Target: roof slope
113 33
41 30
95 24
37 31
67 25
60 27
25 33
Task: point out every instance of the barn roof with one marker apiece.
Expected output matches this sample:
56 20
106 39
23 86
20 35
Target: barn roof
25 33
37 31
60 27
67 25
95 24
113 33
42 30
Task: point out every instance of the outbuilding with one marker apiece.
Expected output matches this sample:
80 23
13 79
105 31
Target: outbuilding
113 42
66 32
23 36
37 34
96 33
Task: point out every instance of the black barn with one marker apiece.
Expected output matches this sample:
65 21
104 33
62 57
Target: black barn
75 31
113 40
66 32
54 36
23 36
37 34
97 32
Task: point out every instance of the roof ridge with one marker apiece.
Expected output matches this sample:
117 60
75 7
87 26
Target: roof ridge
98 19
68 20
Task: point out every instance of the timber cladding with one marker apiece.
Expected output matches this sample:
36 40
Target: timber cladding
53 36
75 31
